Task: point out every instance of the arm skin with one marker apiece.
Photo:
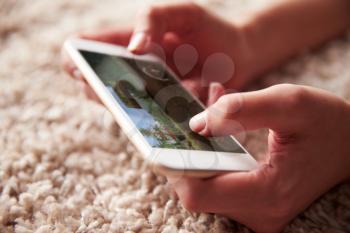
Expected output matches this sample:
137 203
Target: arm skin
289 27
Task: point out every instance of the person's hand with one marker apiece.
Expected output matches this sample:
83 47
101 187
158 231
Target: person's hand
308 153
120 36
200 47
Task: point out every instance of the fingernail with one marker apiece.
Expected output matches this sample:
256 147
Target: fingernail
197 123
214 87
138 41
77 74
216 90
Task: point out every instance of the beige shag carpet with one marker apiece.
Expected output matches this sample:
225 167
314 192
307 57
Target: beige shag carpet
64 164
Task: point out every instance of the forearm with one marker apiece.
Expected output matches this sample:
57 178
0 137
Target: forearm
291 26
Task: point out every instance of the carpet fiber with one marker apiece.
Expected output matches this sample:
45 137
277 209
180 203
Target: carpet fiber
64 164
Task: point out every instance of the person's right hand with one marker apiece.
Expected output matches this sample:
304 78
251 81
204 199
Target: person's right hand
188 36
308 153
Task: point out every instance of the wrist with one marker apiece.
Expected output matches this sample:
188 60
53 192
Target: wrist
244 54
258 51
264 39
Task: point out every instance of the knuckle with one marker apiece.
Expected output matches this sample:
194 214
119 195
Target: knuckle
297 97
292 97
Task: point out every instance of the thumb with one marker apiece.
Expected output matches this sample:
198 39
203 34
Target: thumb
269 108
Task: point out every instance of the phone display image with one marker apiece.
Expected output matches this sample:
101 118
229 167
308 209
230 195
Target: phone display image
157 104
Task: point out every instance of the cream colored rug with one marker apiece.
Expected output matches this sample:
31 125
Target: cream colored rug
64 164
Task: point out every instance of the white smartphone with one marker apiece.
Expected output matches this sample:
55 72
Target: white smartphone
153 109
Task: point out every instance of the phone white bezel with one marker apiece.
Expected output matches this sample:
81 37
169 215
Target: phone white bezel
194 162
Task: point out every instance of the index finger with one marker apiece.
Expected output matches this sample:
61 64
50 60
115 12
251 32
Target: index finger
153 23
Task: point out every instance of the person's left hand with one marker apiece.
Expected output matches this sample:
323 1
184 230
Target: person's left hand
208 53
308 153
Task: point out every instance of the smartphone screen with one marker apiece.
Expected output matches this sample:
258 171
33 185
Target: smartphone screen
156 102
